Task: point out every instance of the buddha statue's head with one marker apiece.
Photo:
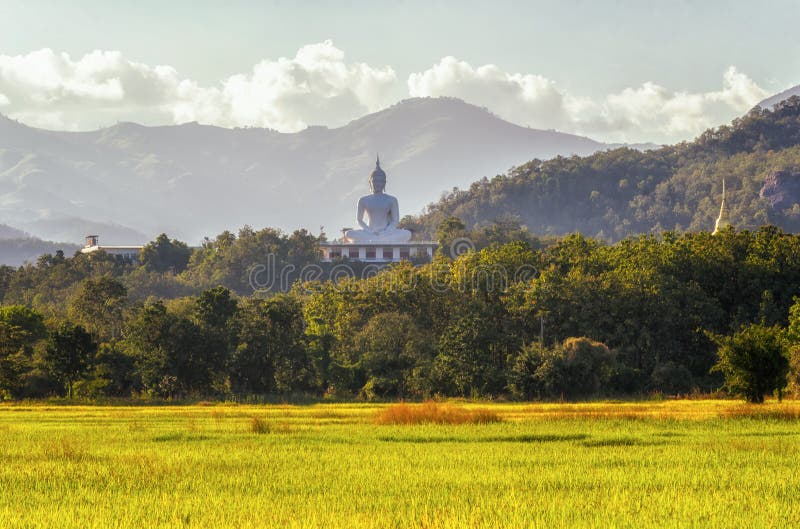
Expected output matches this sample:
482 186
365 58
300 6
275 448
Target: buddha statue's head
377 179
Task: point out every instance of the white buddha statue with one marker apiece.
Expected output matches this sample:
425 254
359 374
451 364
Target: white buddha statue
382 214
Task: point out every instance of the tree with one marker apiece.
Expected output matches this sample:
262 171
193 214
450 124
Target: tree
113 372
214 312
271 355
251 367
98 306
215 307
395 355
465 362
793 336
576 368
173 353
163 254
20 329
449 229
68 354
753 360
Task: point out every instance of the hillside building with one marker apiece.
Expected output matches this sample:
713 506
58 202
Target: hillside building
93 245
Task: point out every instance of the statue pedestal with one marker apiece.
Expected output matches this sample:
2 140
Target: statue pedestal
369 252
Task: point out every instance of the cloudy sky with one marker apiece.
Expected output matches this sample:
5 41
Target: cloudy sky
615 70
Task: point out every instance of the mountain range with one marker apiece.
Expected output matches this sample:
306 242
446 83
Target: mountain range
130 182
617 193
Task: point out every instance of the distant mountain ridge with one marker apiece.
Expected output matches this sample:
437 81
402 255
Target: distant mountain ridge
782 96
18 247
129 182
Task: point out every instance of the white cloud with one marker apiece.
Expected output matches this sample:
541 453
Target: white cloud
678 115
51 89
317 86
528 99
646 113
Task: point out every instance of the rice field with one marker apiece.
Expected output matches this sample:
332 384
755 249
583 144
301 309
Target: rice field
649 464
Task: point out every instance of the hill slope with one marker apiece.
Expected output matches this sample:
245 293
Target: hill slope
192 180
616 193
777 98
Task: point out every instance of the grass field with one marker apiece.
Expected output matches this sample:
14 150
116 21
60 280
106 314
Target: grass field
651 464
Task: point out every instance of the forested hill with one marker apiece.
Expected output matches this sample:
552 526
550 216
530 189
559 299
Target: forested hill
620 192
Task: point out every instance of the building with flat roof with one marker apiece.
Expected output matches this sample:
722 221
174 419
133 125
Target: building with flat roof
93 245
377 252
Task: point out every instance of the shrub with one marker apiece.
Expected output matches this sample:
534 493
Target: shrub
434 413
753 361
577 368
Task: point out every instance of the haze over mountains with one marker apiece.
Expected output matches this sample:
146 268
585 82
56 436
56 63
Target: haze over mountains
129 182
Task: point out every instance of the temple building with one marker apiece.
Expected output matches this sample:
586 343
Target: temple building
378 239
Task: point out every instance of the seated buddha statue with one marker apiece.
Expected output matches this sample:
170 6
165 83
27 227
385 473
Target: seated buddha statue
378 214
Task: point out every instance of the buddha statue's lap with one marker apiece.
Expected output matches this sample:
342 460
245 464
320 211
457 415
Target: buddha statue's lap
387 236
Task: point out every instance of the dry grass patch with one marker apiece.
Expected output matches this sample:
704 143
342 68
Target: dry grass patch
758 411
434 413
65 449
259 425
262 426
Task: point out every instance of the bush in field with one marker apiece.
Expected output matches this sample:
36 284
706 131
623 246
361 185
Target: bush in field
576 368
523 382
753 360
671 378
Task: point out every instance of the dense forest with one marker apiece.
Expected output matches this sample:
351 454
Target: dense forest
617 193
564 318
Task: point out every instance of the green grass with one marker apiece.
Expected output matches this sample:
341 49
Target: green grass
653 464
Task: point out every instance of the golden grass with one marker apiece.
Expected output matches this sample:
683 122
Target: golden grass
65 449
712 463
434 413
759 411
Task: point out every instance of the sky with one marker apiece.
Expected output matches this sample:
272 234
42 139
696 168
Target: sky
632 71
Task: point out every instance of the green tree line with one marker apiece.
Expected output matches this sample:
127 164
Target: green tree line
570 317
